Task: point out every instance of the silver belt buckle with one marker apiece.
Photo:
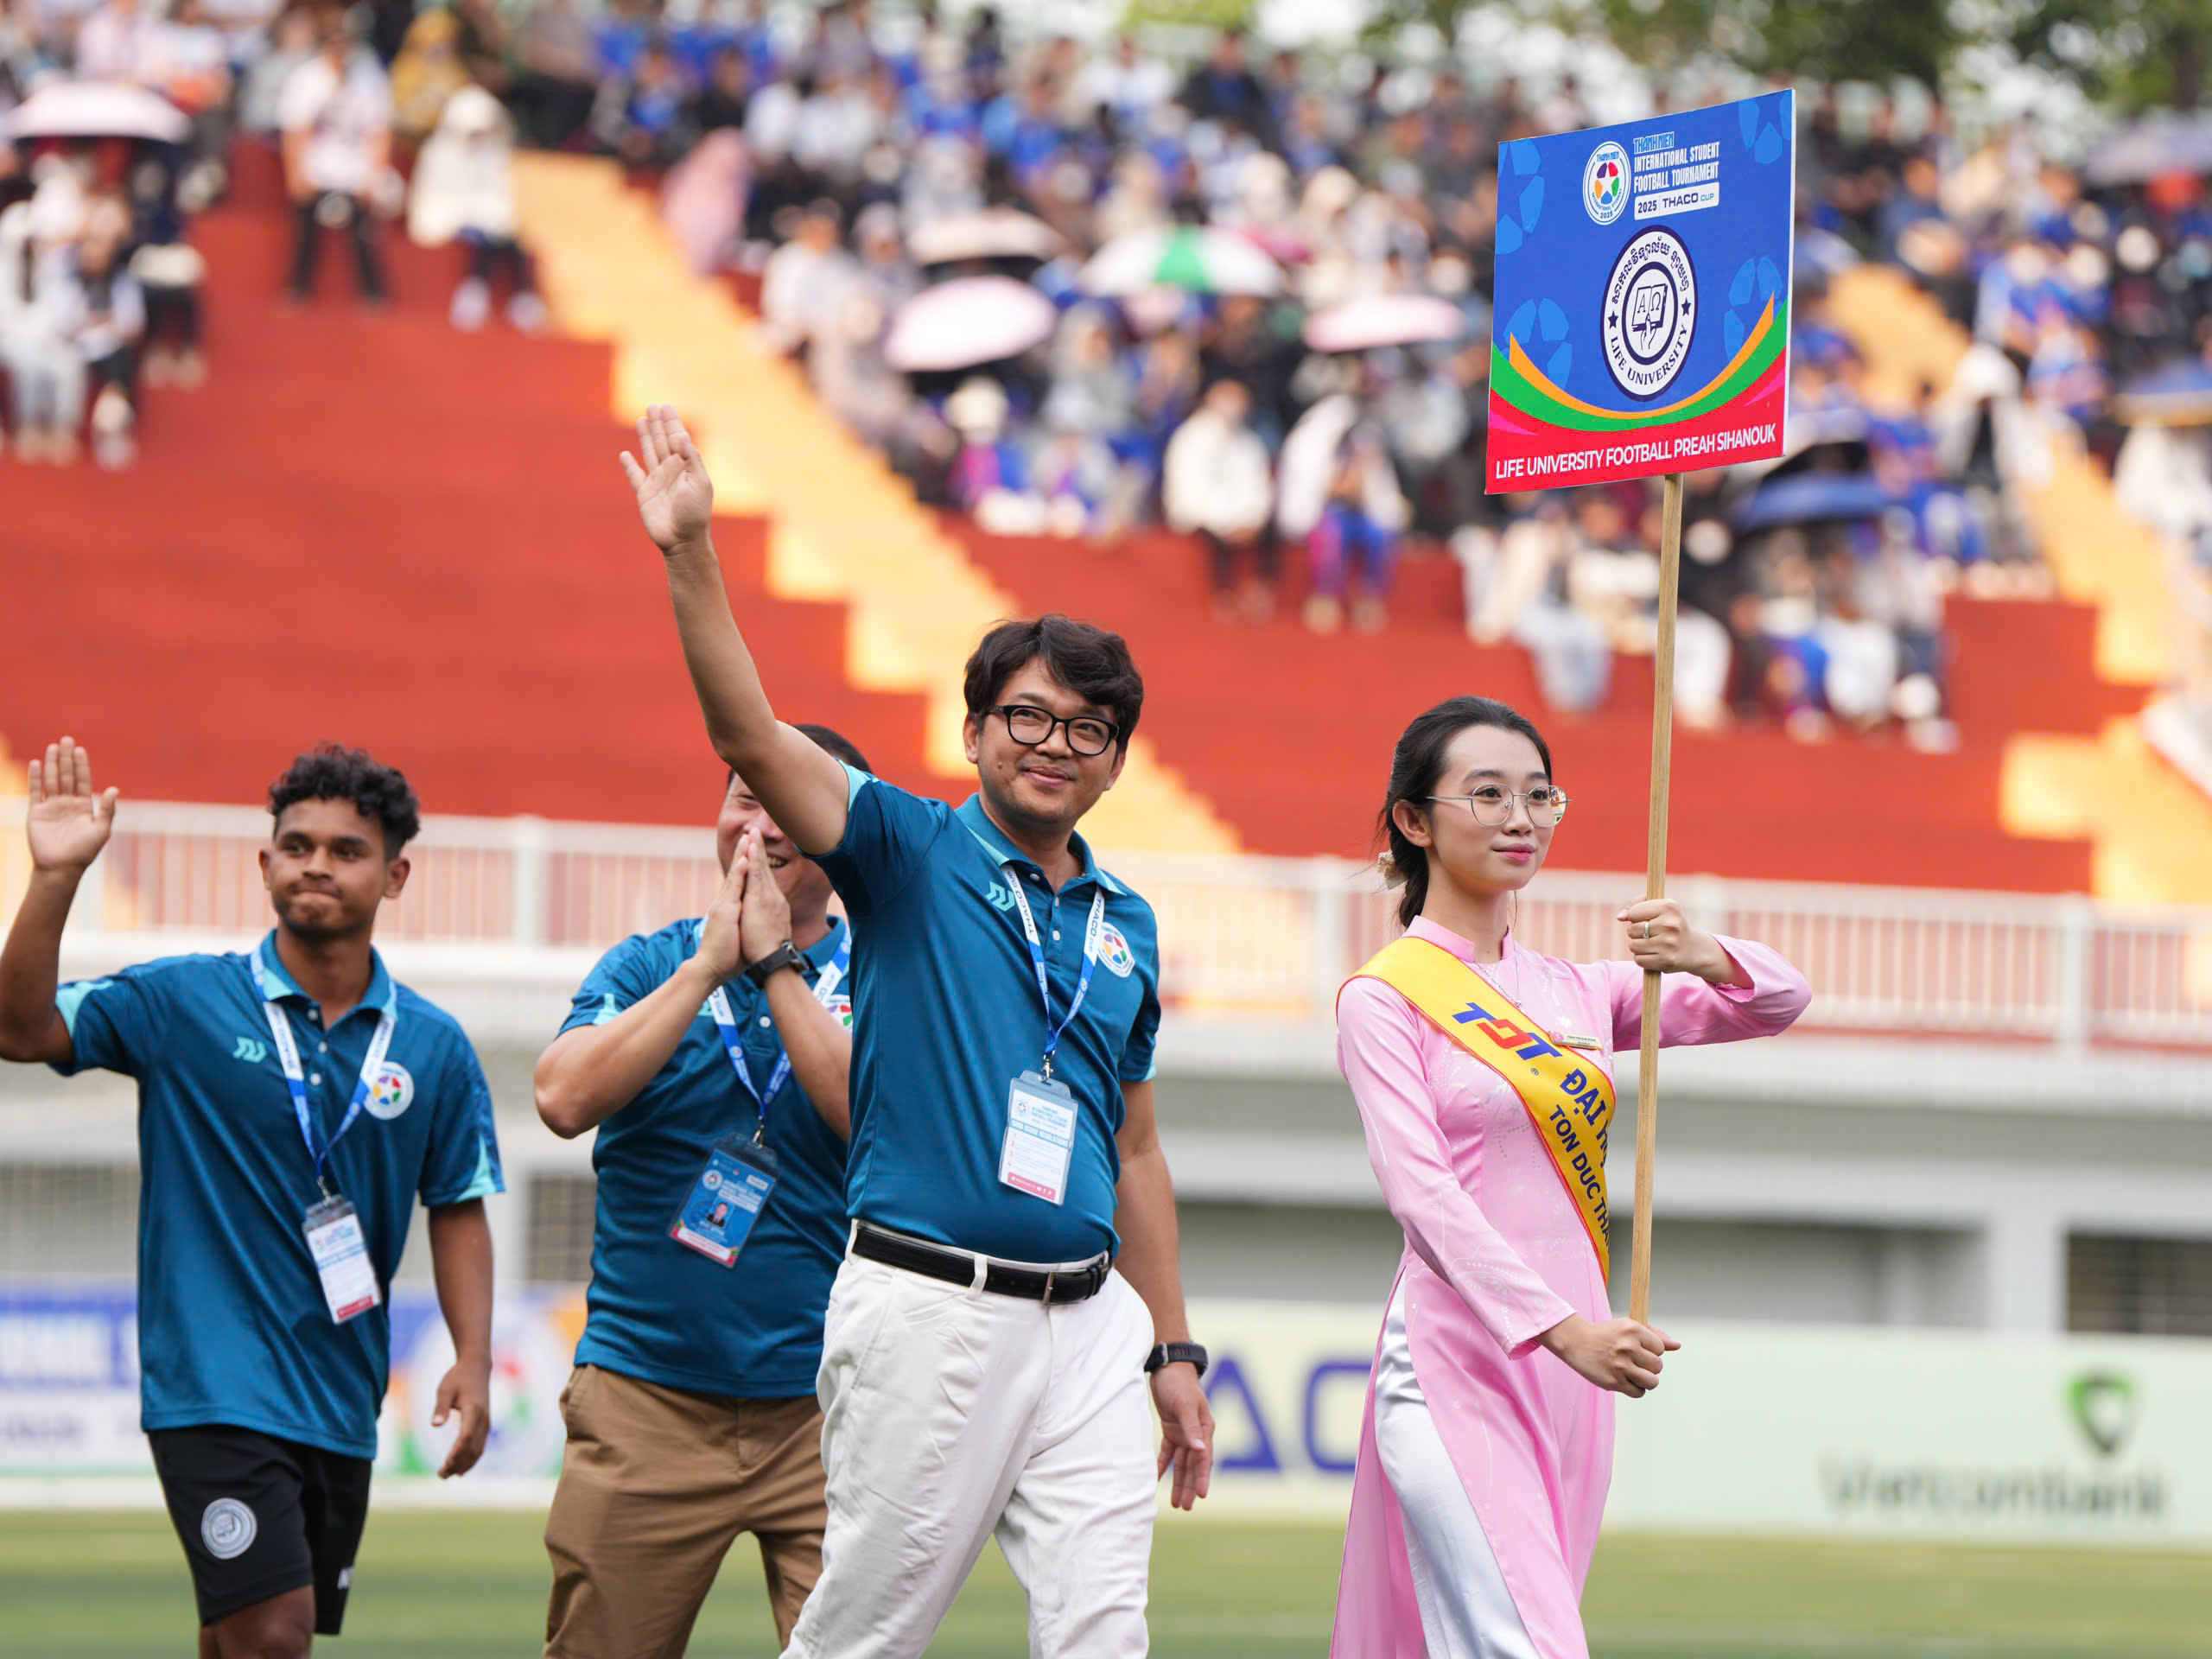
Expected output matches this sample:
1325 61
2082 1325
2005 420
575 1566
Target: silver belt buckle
1048 1287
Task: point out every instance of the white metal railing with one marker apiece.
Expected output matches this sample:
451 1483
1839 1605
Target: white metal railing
1249 937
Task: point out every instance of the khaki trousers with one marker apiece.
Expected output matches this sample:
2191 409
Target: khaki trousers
656 1483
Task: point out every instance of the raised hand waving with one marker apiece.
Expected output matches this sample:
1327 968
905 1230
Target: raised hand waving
676 498
68 824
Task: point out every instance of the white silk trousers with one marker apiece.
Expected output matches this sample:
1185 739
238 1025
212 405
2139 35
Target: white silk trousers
1466 1612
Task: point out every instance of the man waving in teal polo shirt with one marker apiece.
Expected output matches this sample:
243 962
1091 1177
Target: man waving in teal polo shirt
1012 1277
294 1101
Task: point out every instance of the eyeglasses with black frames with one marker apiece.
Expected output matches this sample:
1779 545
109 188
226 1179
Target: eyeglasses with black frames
1492 804
1029 726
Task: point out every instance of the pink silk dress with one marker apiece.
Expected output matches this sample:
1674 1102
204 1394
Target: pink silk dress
1496 1255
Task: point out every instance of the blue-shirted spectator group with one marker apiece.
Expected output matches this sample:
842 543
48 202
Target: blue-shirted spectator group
851 160
848 157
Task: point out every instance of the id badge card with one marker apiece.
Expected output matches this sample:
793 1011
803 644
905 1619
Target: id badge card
341 1259
1039 1137
725 1200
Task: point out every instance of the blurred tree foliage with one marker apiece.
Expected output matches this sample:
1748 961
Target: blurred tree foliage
2131 54
1827 40
1824 40
2134 53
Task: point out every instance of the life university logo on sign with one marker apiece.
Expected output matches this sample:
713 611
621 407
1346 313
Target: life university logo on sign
1651 313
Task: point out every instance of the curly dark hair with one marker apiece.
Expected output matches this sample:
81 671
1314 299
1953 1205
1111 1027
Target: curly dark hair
330 772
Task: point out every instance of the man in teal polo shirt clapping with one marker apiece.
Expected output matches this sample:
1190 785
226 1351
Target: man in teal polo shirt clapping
713 1050
1012 1277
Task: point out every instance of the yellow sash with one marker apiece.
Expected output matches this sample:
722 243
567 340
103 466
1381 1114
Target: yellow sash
1571 1105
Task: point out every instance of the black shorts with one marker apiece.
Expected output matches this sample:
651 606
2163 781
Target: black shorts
259 1516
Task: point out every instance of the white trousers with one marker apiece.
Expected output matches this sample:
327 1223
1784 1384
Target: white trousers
1466 1612
47 378
950 1415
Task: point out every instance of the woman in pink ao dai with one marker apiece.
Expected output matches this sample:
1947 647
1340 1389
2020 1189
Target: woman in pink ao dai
1488 1440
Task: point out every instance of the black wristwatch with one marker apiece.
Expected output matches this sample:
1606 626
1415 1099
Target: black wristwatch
1172 1353
784 956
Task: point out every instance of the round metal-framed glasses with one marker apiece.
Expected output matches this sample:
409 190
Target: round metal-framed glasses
1492 804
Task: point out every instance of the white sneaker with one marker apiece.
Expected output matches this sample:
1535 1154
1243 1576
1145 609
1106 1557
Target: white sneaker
472 303
528 313
113 441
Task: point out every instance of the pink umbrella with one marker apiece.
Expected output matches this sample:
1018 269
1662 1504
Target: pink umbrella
702 198
971 320
1374 319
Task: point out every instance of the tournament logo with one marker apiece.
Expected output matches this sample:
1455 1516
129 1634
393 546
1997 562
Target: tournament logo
840 1009
1606 183
1114 950
227 1528
1651 313
392 1092
711 1180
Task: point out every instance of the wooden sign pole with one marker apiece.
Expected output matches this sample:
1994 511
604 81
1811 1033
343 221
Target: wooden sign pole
1655 887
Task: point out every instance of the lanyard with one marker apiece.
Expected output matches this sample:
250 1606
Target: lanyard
825 987
288 1055
1091 936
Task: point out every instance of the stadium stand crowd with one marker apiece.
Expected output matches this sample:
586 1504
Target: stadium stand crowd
1215 254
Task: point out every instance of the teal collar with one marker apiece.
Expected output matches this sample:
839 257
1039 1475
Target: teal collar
1003 852
383 990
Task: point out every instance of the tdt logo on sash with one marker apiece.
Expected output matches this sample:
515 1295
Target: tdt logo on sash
1649 332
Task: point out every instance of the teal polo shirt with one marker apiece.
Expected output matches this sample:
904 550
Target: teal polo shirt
946 1015
233 1328
663 1313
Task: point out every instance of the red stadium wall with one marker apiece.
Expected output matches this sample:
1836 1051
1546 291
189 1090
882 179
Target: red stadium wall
1289 734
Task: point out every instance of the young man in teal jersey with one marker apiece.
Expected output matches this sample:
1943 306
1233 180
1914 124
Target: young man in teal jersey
295 1101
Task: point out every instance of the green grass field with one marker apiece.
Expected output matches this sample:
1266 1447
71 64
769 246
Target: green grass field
468 1586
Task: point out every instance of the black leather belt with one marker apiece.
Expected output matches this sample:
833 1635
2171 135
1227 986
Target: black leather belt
1051 1286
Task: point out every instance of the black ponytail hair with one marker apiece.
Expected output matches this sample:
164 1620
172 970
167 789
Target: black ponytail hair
1416 765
